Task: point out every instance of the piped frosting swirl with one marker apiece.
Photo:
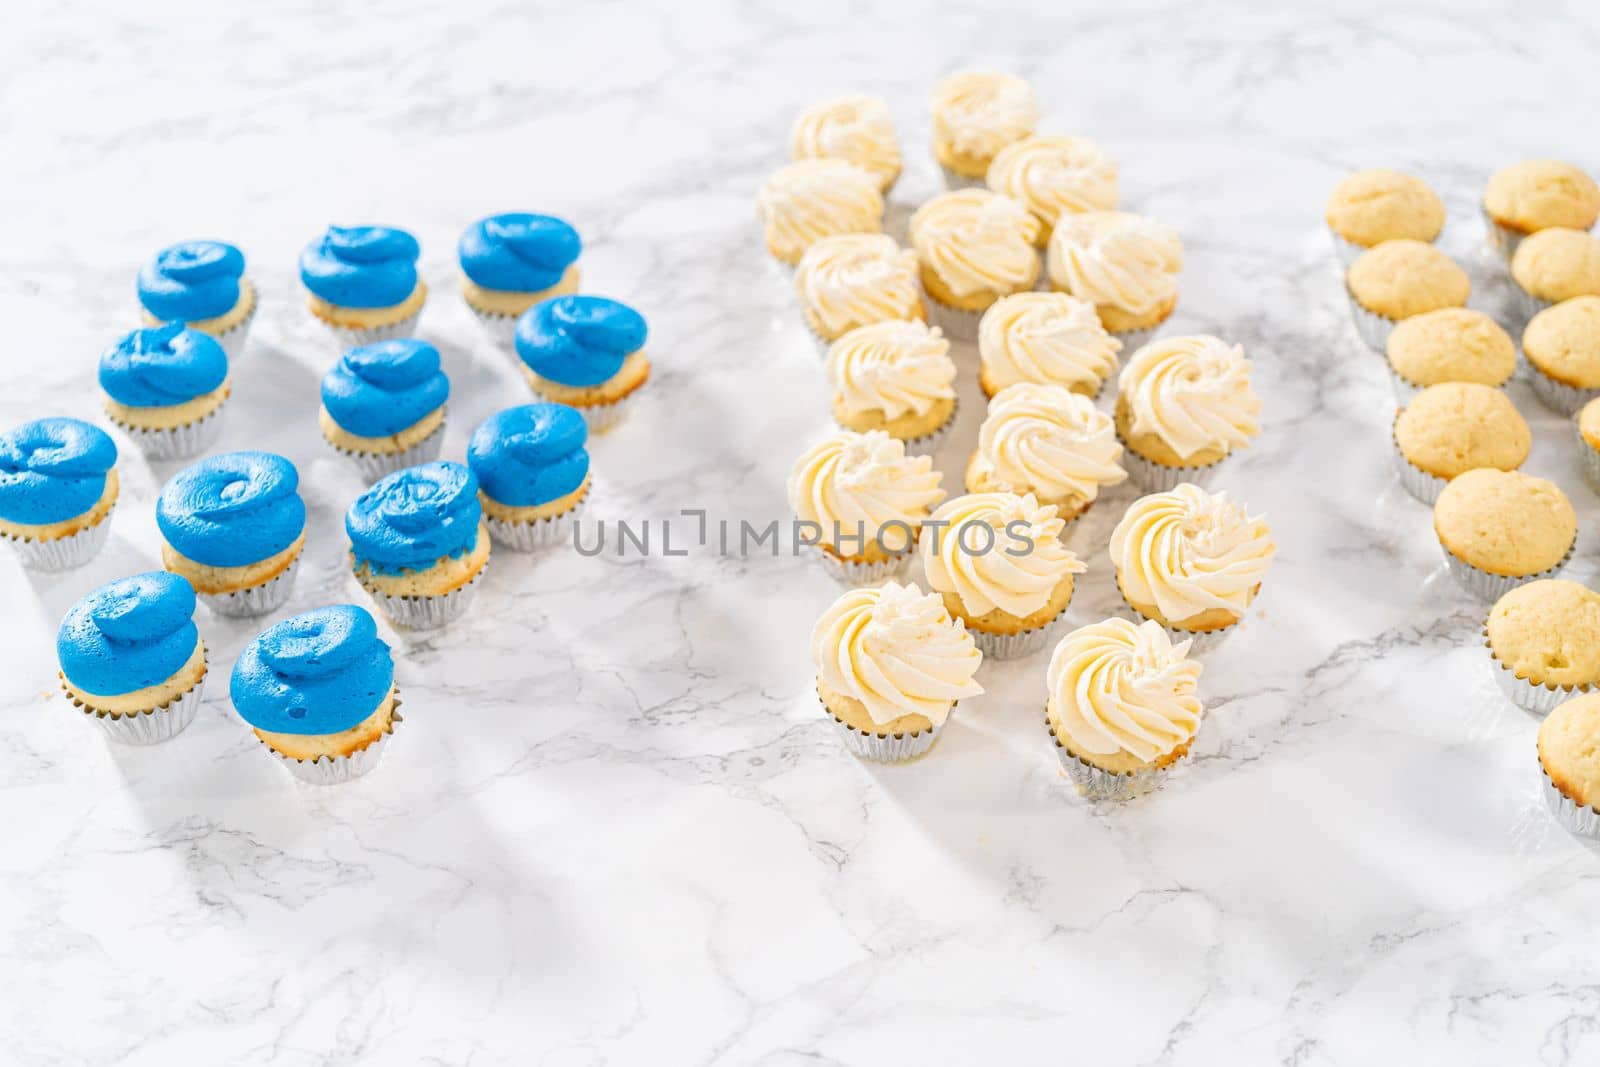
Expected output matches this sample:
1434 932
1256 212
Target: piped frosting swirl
855 128
1188 551
1119 688
530 455
415 517
52 470
1048 338
579 341
980 112
976 241
815 198
1016 569
854 279
162 366
321 672
518 252
893 367
1193 393
361 266
1055 176
233 509
383 388
1050 441
132 634
1116 259
862 482
191 281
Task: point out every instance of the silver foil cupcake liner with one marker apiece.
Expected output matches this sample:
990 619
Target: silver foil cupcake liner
1200 641
1372 327
1419 483
1503 241
177 442
355 336
62 553
257 599
855 573
232 339
1559 397
1016 646
958 324
1098 784
428 612
1152 477
1347 251
929 443
1133 340
149 727
1577 819
501 329
1492 587
332 770
533 536
1539 699
1525 304
884 748
1591 459
1404 391
376 465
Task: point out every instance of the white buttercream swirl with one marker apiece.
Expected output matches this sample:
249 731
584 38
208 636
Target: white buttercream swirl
893 367
1116 687
1193 393
1016 569
859 483
1116 259
1050 441
1055 176
855 128
1188 551
977 241
1049 338
816 198
856 278
980 112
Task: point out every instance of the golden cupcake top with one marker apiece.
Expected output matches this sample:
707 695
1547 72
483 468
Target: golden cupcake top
853 279
856 128
1505 522
859 486
1372 206
1589 423
1049 338
1458 426
1116 259
977 113
1563 341
894 367
1399 279
976 241
1539 193
1054 176
1547 632
1558 264
1452 345
1569 749
1192 394
815 198
1014 564
1046 440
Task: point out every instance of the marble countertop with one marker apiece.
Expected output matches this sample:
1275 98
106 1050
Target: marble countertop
615 828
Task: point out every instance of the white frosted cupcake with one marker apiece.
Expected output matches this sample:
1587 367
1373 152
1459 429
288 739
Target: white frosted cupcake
811 199
1184 405
1125 265
1048 441
1055 176
897 377
856 279
1045 338
977 113
973 247
854 128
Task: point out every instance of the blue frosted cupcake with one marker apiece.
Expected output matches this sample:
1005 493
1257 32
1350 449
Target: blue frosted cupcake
512 262
165 387
202 285
318 690
532 471
363 283
418 543
586 352
132 659
58 484
234 525
383 405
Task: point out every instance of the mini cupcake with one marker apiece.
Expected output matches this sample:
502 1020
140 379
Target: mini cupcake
1047 441
1045 339
234 525
1448 345
165 388
1184 405
418 543
1191 562
1555 265
998 561
1562 346
857 129
132 659
897 377
318 691
1055 176
1455 427
853 280
511 262
383 406
202 285
533 473
1587 424
363 283
1122 708
891 665
976 114
804 202
1535 195
1501 529
1373 206
973 247
1125 265
1544 643
586 352
58 484
866 500
1398 279
1568 739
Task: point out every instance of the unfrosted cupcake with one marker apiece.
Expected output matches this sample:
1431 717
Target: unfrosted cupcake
1448 345
1047 339
1184 404
511 262
1126 265
1544 643
383 405
975 115
418 543
1055 176
891 665
1587 424
166 388
318 691
808 200
855 128
234 525
132 659
853 280
867 501
1398 279
58 484
998 561
1122 707
1562 346
1191 562
532 471
202 285
1555 265
1048 441
363 283
1569 739
586 352
973 247
1535 195
1373 206
1501 529
1455 427
897 377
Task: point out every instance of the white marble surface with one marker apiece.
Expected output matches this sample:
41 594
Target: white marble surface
614 829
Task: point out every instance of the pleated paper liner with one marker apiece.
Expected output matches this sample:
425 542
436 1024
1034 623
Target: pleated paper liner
152 725
62 553
332 770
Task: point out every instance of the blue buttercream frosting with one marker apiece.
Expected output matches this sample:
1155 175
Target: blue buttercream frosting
380 389
415 517
52 470
129 635
518 252
232 510
530 455
317 673
191 280
162 366
361 266
579 340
